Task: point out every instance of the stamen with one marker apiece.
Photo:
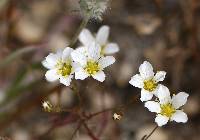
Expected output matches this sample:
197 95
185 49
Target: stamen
150 85
92 67
64 69
167 110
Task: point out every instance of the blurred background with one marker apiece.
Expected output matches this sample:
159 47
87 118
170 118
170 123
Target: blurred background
164 32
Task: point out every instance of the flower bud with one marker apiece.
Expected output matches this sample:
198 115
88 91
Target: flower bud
117 116
47 106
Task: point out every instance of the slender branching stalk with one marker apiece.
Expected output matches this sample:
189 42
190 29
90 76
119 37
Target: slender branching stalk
76 130
76 91
150 134
89 131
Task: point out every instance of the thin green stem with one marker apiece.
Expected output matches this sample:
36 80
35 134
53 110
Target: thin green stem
76 91
81 27
59 99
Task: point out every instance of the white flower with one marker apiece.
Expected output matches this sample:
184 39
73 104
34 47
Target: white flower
60 66
91 64
147 81
168 108
86 38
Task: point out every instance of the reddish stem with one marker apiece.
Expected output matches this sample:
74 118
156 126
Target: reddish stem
90 133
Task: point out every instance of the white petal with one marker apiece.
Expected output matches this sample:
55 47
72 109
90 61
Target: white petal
67 53
163 94
160 76
179 116
59 53
83 50
106 61
52 59
94 50
86 37
156 90
51 75
81 74
47 65
145 95
179 100
146 70
102 35
111 48
75 67
100 76
79 57
137 81
153 106
161 120
66 80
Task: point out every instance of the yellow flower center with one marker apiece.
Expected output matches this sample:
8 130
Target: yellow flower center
150 85
65 68
92 67
167 110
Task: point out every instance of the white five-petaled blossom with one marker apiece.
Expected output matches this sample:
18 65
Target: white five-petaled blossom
86 38
91 63
60 66
147 81
167 108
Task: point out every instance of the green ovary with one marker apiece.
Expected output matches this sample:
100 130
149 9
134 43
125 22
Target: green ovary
167 110
150 85
92 67
64 69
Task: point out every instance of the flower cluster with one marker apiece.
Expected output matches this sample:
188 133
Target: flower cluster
88 60
94 55
166 107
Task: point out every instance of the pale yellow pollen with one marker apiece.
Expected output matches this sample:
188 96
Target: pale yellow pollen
167 110
92 67
150 85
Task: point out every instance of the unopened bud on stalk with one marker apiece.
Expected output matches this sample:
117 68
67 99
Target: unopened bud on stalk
47 106
117 116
